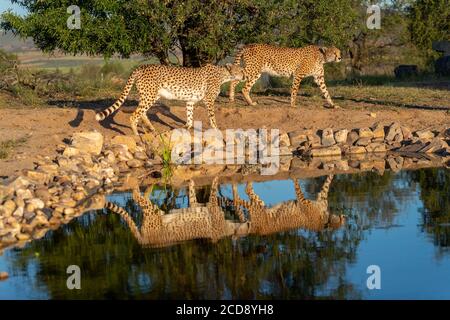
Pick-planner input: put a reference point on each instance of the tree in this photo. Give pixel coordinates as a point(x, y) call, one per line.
point(429, 21)
point(202, 30)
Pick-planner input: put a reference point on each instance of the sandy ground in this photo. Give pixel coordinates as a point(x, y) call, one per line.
point(47, 128)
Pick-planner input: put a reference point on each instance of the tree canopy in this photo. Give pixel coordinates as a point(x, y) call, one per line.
point(202, 30)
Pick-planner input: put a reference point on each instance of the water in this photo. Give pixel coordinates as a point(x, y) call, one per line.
point(398, 221)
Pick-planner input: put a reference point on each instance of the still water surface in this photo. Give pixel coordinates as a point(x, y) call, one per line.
point(398, 221)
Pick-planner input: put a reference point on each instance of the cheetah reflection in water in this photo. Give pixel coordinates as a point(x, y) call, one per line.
point(294, 214)
point(198, 221)
point(207, 221)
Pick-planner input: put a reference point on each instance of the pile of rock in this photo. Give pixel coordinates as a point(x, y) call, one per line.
point(375, 139)
point(54, 192)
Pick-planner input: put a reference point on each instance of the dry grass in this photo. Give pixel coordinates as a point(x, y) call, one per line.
point(7, 146)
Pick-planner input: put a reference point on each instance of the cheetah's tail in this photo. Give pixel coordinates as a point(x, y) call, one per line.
point(126, 91)
point(125, 216)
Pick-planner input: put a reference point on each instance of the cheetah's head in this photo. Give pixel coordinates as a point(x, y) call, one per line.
point(234, 72)
point(331, 54)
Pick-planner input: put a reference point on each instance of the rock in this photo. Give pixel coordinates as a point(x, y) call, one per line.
point(340, 136)
point(325, 152)
point(392, 131)
point(398, 137)
point(352, 137)
point(4, 275)
point(424, 134)
point(110, 157)
point(365, 133)
point(20, 183)
point(124, 156)
point(71, 152)
point(128, 141)
point(395, 164)
point(407, 133)
point(89, 142)
point(24, 194)
point(365, 165)
point(435, 146)
point(342, 165)
point(135, 163)
point(9, 239)
point(376, 147)
point(18, 212)
point(8, 208)
point(49, 168)
point(4, 192)
point(442, 66)
point(69, 211)
point(357, 150)
point(284, 140)
point(140, 155)
point(29, 215)
point(38, 177)
point(363, 142)
point(42, 194)
point(373, 114)
point(378, 131)
point(328, 137)
point(405, 71)
point(37, 203)
point(22, 236)
point(299, 136)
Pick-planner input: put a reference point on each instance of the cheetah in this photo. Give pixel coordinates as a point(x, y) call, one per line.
point(301, 213)
point(171, 82)
point(286, 62)
point(198, 221)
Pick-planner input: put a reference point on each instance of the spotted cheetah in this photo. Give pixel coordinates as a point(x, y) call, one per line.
point(301, 213)
point(198, 221)
point(286, 62)
point(171, 82)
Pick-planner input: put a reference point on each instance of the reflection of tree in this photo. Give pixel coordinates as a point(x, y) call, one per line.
point(292, 264)
point(373, 198)
point(435, 195)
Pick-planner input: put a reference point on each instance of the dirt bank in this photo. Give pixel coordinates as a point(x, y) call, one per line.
point(46, 128)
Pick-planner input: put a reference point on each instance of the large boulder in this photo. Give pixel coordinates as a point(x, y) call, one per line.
point(442, 66)
point(405, 71)
point(328, 137)
point(341, 136)
point(89, 142)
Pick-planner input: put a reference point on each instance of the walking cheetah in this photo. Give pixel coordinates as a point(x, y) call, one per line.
point(171, 82)
point(280, 61)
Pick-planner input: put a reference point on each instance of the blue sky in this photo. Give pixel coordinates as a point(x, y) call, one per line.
point(6, 4)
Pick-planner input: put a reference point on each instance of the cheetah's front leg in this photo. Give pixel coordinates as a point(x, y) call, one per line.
point(320, 81)
point(189, 115)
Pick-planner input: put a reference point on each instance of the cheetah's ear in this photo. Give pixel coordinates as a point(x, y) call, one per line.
point(323, 50)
